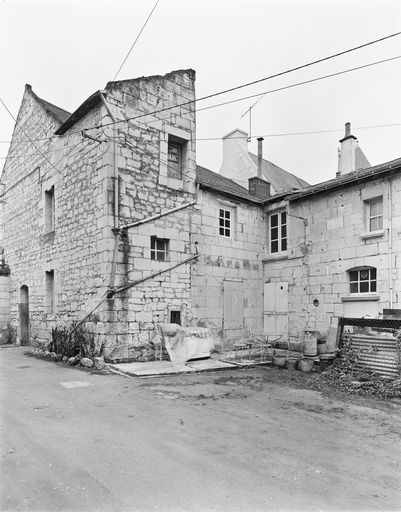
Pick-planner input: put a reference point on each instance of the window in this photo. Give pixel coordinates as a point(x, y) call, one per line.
point(374, 209)
point(175, 316)
point(363, 280)
point(278, 232)
point(225, 222)
point(49, 210)
point(158, 249)
point(49, 290)
point(174, 160)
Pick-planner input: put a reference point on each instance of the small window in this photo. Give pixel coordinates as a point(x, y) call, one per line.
point(49, 290)
point(363, 280)
point(49, 210)
point(174, 159)
point(225, 222)
point(278, 232)
point(175, 316)
point(374, 211)
point(158, 249)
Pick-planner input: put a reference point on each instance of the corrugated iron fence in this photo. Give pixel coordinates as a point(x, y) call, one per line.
point(376, 343)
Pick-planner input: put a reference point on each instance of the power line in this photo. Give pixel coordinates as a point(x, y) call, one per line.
point(201, 139)
point(27, 136)
point(189, 102)
point(137, 37)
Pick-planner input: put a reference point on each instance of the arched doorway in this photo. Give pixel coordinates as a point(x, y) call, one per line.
point(23, 307)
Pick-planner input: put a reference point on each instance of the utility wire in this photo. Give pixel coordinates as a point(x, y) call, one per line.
point(137, 37)
point(235, 88)
point(189, 102)
point(30, 140)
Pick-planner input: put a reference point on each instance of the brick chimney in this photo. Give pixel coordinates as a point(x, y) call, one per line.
point(346, 154)
point(259, 188)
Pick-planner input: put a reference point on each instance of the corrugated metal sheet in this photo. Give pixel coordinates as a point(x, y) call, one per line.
point(379, 355)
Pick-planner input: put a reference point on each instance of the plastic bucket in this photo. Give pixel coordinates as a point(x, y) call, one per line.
point(310, 343)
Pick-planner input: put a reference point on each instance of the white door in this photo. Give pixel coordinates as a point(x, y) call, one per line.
point(233, 314)
point(276, 309)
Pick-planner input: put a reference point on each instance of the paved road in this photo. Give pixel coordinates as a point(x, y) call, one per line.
point(228, 441)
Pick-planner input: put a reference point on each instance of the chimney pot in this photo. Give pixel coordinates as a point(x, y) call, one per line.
point(347, 129)
point(260, 156)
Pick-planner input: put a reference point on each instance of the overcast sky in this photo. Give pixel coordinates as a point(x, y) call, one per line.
point(68, 49)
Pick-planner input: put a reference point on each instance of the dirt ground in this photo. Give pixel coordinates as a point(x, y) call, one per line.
point(239, 440)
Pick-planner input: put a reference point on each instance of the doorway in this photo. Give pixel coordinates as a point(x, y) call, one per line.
point(233, 304)
point(23, 309)
point(276, 309)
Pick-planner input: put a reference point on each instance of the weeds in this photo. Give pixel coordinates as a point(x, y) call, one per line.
point(72, 341)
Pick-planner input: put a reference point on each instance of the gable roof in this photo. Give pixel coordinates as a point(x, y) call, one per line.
point(279, 179)
point(213, 181)
point(59, 114)
point(348, 179)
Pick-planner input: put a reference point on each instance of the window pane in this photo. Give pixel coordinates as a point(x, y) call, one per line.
point(375, 223)
point(221, 231)
point(274, 220)
point(274, 246)
point(221, 213)
point(227, 233)
point(160, 256)
point(353, 288)
point(353, 275)
point(283, 218)
point(152, 242)
point(373, 273)
point(284, 231)
point(373, 286)
point(274, 233)
point(227, 223)
point(284, 244)
point(364, 287)
point(227, 214)
point(364, 275)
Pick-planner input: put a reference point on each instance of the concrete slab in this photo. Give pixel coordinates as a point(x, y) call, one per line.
point(156, 368)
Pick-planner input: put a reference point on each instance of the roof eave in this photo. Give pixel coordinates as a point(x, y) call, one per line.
point(80, 112)
point(255, 201)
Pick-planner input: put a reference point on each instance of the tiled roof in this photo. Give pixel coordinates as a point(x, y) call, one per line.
point(361, 162)
point(58, 113)
point(214, 181)
point(279, 179)
point(348, 179)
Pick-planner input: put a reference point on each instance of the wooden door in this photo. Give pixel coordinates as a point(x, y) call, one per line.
point(276, 309)
point(233, 305)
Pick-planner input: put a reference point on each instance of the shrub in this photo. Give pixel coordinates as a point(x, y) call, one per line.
point(72, 341)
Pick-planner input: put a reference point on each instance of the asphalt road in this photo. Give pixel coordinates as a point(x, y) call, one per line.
point(226, 441)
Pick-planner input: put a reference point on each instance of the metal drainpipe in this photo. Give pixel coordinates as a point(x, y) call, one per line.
point(116, 204)
point(390, 241)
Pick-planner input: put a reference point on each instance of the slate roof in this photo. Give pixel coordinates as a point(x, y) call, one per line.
point(279, 179)
point(59, 114)
point(218, 183)
point(348, 179)
point(361, 162)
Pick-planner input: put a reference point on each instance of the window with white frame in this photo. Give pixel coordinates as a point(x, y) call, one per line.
point(159, 248)
point(225, 222)
point(363, 280)
point(374, 214)
point(278, 232)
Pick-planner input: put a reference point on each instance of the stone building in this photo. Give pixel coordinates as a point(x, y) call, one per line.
point(108, 220)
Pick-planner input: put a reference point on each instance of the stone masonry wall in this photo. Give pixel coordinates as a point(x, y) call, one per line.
point(334, 241)
point(236, 258)
point(146, 190)
point(74, 250)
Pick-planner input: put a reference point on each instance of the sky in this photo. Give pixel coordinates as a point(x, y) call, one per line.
point(68, 49)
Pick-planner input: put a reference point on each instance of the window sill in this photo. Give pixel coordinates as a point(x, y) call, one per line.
point(271, 257)
point(372, 234)
point(360, 297)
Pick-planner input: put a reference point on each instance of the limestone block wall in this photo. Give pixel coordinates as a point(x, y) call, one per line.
point(74, 249)
point(238, 257)
point(334, 241)
point(146, 189)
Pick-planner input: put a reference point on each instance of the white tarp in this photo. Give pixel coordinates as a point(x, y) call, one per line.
point(185, 343)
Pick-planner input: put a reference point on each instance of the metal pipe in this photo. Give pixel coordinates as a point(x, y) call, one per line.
point(260, 156)
point(390, 241)
point(150, 276)
point(162, 214)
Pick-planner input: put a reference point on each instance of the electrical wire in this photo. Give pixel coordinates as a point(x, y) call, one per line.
point(27, 136)
point(137, 37)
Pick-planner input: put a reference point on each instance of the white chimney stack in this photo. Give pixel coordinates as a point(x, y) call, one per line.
point(346, 155)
